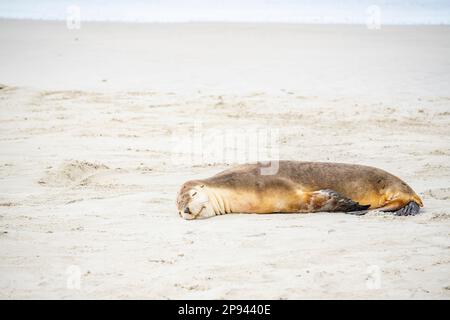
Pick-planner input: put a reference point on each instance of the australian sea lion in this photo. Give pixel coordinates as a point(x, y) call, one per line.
point(297, 187)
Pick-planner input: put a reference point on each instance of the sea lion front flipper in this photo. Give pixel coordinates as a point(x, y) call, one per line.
point(331, 201)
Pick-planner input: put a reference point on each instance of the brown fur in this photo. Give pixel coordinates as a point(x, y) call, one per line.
point(295, 188)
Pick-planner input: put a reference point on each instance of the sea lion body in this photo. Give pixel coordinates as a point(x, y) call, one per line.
point(297, 187)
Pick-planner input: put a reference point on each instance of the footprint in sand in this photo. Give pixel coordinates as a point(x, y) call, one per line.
point(438, 193)
point(72, 173)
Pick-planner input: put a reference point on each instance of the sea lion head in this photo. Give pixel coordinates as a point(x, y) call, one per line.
point(193, 201)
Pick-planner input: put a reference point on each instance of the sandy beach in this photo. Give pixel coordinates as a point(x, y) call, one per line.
point(92, 126)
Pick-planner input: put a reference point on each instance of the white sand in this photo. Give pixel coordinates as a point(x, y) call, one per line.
point(89, 171)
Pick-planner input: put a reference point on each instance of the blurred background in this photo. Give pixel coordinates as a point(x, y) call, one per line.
point(289, 11)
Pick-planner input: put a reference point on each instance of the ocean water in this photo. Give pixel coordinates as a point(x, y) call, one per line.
point(289, 11)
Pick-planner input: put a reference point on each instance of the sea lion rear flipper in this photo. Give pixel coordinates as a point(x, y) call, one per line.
point(402, 208)
point(330, 200)
point(411, 209)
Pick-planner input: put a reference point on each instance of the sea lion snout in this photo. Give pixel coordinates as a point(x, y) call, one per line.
point(186, 213)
